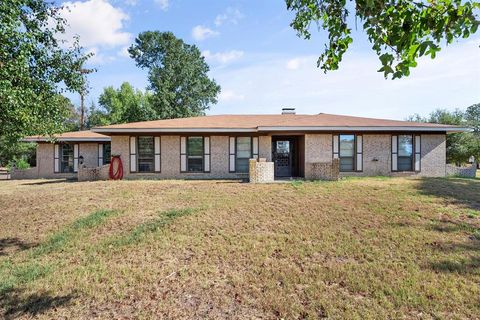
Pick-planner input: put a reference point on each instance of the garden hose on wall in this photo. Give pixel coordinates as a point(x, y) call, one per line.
point(116, 163)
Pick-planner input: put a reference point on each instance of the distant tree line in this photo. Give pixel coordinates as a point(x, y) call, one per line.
point(460, 146)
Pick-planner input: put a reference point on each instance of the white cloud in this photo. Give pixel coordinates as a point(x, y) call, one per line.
point(124, 52)
point(230, 95)
point(98, 58)
point(231, 15)
point(97, 22)
point(163, 4)
point(451, 80)
point(293, 64)
point(200, 33)
point(222, 57)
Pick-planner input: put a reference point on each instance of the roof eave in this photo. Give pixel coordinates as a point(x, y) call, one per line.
point(170, 130)
point(106, 139)
point(284, 128)
point(365, 128)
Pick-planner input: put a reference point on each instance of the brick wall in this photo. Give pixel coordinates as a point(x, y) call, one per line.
point(261, 171)
point(434, 155)
point(265, 147)
point(89, 151)
point(93, 173)
point(465, 172)
point(170, 158)
point(45, 163)
point(377, 155)
point(318, 149)
point(329, 170)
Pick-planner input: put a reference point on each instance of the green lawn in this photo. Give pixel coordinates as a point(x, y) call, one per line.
point(359, 248)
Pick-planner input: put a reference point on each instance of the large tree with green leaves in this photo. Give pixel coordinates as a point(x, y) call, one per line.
point(460, 146)
point(35, 69)
point(400, 31)
point(121, 105)
point(177, 74)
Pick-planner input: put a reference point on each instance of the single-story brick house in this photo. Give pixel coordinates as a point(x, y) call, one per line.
point(62, 158)
point(220, 146)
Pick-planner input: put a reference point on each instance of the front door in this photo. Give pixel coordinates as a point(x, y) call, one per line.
point(282, 157)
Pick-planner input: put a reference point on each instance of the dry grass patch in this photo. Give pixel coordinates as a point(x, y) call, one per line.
point(358, 248)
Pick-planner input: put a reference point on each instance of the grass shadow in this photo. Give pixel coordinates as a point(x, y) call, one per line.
point(15, 304)
point(53, 181)
point(459, 191)
point(452, 226)
point(13, 245)
point(455, 247)
point(469, 265)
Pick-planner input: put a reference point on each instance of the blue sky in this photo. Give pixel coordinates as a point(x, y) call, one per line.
point(263, 66)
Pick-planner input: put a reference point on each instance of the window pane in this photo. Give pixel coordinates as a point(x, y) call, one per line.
point(195, 164)
point(347, 145)
point(195, 154)
point(405, 164)
point(244, 147)
point(145, 154)
point(405, 146)
point(145, 165)
point(195, 146)
point(107, 153)
point(145, 147)
point(346, 164)
point(283, 147)
point(67, 158)
point(242, 165)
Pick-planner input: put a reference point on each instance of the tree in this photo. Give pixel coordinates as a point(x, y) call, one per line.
point(12, 151)
point(400, 31)
point(120, 106)
point(472, 116)
point(34, 69)
point(177, 74)
point(16, 151)
point(460, 146)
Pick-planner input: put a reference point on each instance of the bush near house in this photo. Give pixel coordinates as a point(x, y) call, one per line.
point(358, 248)
point(18, 164)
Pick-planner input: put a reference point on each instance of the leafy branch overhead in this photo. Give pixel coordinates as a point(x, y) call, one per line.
point(35, 69)
point(400, 31)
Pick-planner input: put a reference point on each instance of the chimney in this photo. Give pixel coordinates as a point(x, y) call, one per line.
point(288, 110)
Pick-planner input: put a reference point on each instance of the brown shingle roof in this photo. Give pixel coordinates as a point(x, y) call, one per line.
point(265, 122)
point(71, 136)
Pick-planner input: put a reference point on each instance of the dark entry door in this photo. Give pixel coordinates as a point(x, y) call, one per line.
point(283, 157)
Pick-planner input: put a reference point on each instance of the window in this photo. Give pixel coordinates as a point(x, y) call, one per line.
point(67, 158)
point(405, 153)
point(195, 154)
point(347, 152)
point(145, 154)
point(107, 153)
point(243, 154)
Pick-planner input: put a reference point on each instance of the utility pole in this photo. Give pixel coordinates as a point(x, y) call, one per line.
point(83, 92)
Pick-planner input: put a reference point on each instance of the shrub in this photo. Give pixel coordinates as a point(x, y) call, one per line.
point(19, 164)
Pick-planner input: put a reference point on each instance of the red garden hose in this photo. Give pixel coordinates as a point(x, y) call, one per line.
point(118, 174)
